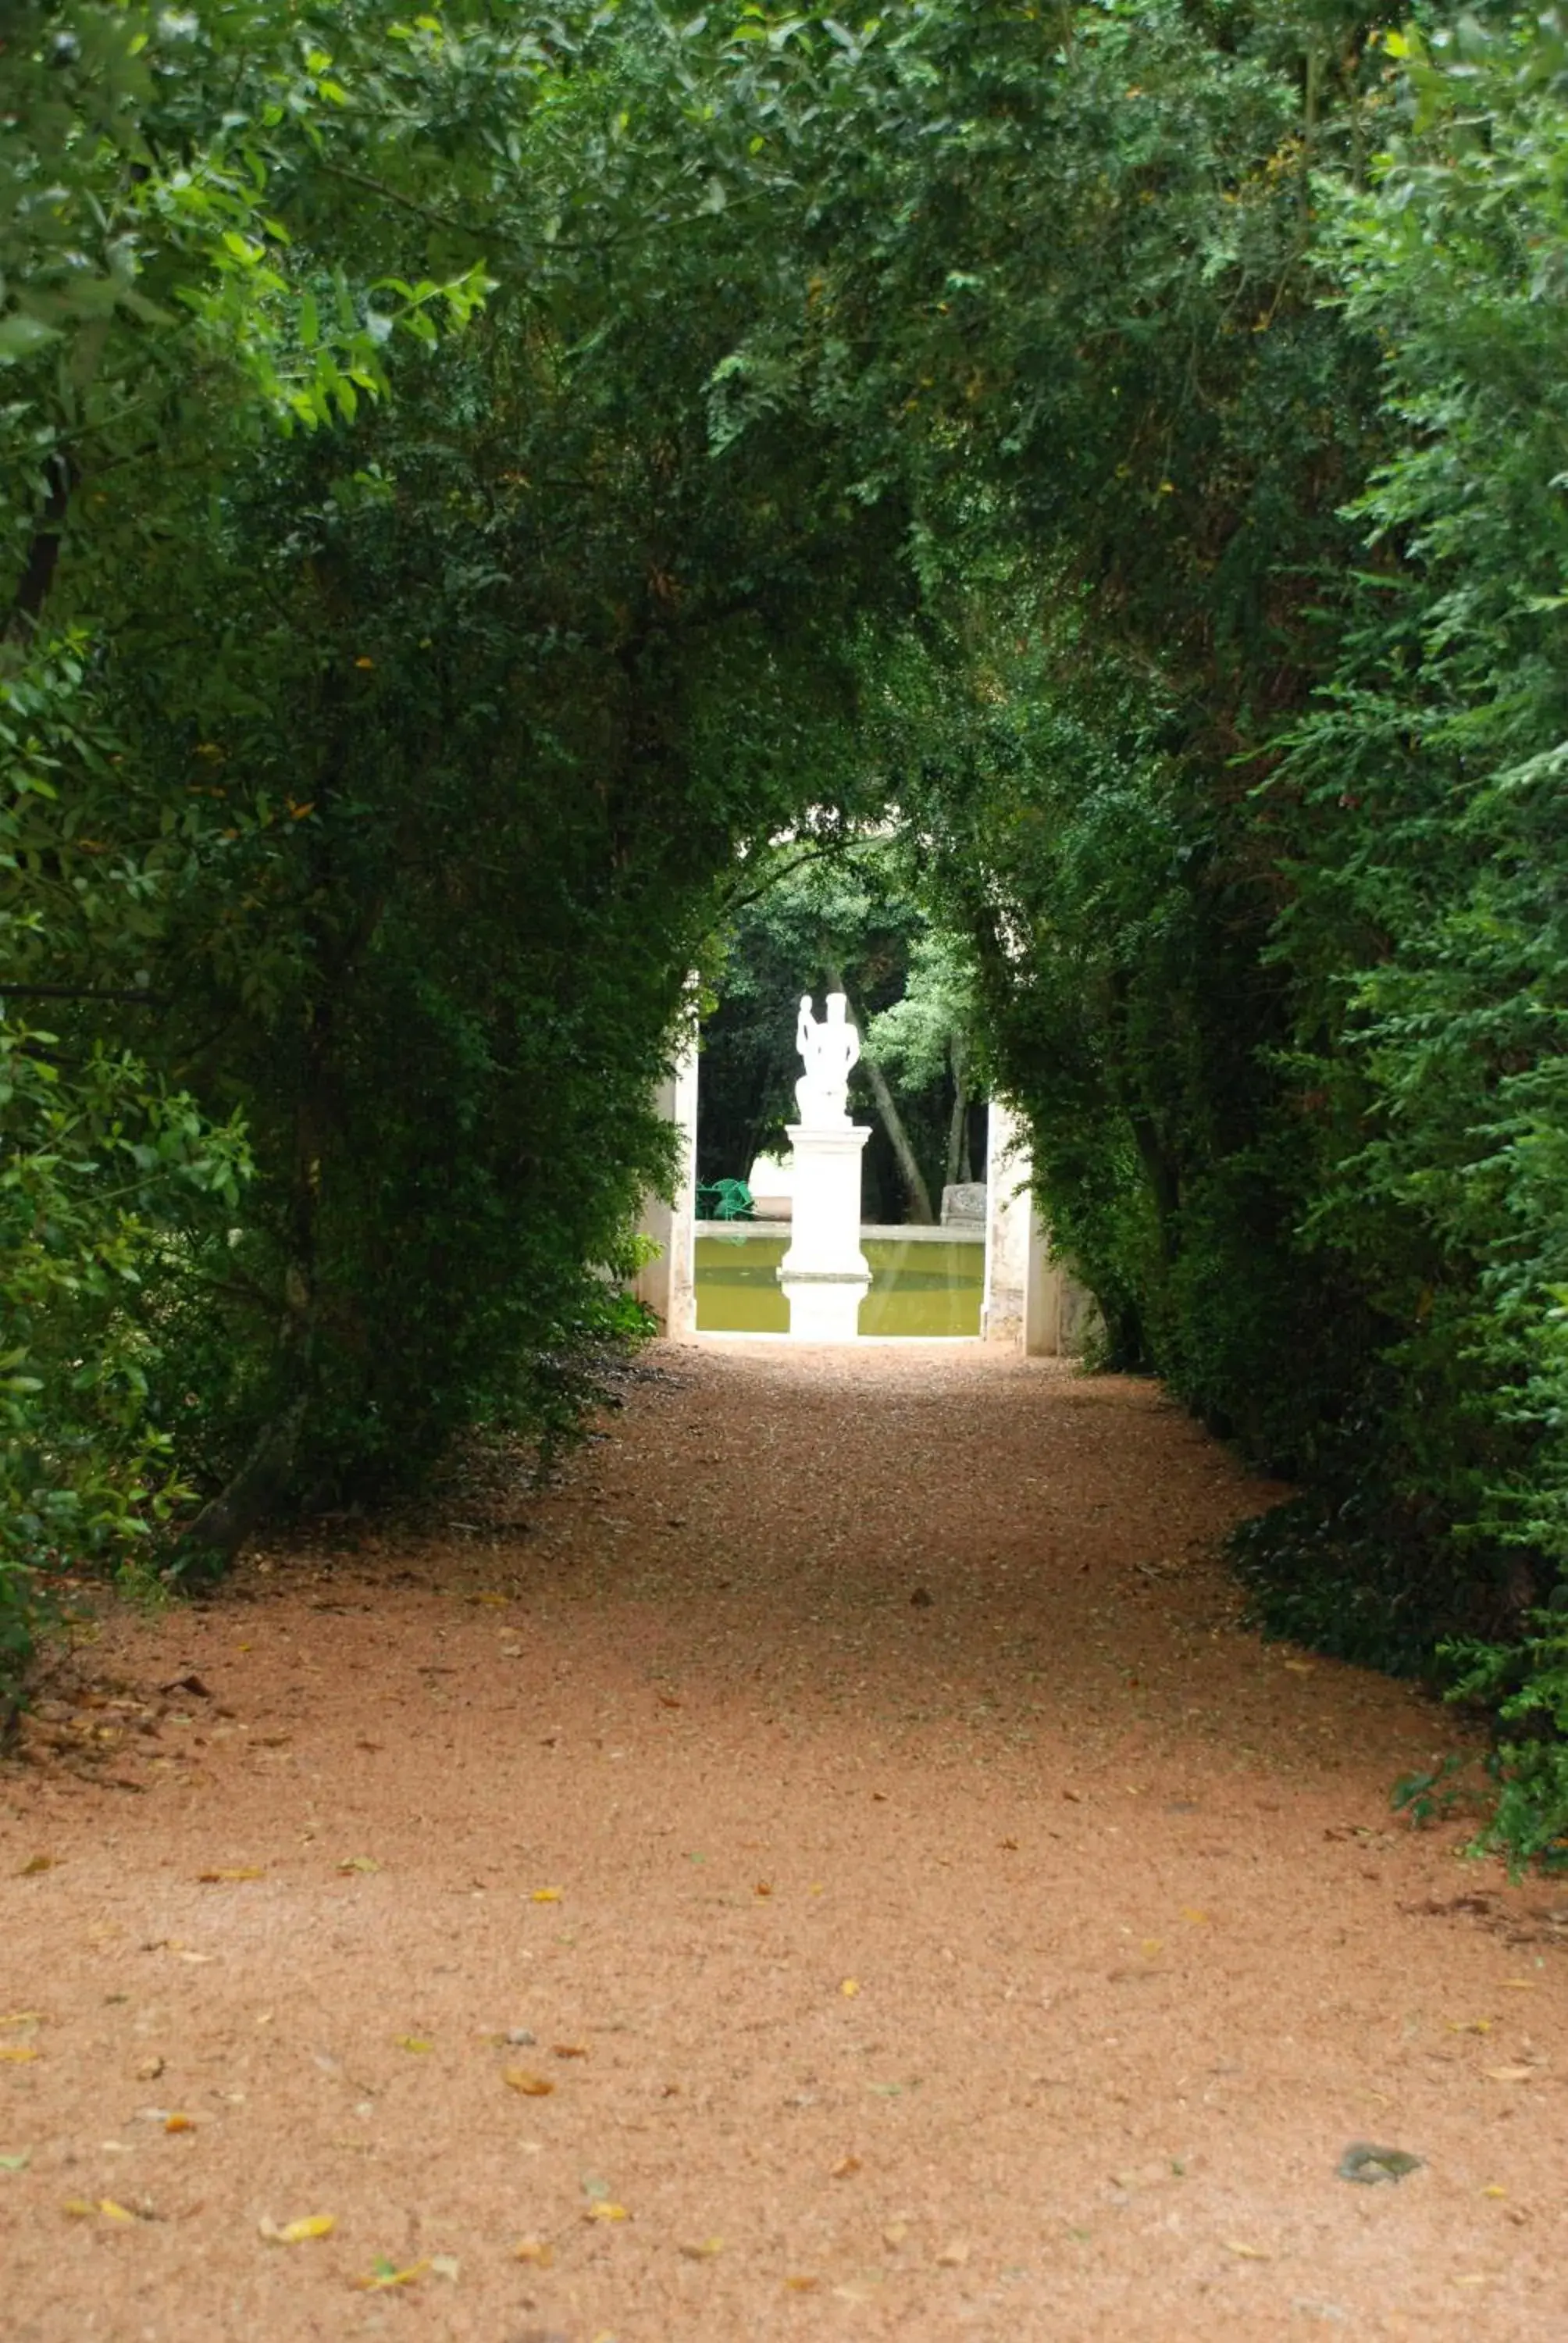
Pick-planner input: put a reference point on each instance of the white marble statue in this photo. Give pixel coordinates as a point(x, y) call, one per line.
point(830, 1050)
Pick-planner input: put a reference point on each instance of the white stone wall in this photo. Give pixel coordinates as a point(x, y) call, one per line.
point(1029, 1300)
point(667, 1284)
point(1010, 1227)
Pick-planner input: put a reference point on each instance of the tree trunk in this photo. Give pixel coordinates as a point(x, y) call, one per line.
point(959, 1124)
point(225, 1522)
point(42, 554)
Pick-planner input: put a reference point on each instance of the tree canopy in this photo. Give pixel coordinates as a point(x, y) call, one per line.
point(469, 481)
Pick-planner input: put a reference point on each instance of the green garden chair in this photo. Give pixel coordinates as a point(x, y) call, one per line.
point(724, 1199)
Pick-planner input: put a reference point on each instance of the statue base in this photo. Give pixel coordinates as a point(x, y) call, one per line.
point(825, 1276)
point(825, 1309)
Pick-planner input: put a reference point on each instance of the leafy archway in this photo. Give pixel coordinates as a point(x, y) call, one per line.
point(469, 479)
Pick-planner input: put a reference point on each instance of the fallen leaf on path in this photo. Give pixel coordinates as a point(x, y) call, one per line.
point(17, 2163)
point(570, 2049)
point(802, 2284)
point(1511, 2073)
point(1194, 1917)
point(1494, 2191)
point(111, 2211)
point(850, 1988)
point(1247, 2253)
point(532, 2087)
point(1470, 2025)
point(298, 2233)
point(1145, 2176)
point(80, 2207)
point(243, 1871)
point(417, 2042)
point(179, 2122)
point(360, 1863)
point(954, 2255)
point(34, 1865)
point(704, 2250)
point(547, 1896)
point(537, 2250)
point(386, 2272)
point(846, 2167)
point(23, 2017)
point(606, 2211)
point(1520, 1985)
point(17, 2054)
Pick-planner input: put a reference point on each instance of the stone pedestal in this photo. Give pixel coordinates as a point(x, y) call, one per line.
point(824, 1274)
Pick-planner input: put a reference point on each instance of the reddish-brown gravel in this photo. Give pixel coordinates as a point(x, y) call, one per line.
point(931, 1915)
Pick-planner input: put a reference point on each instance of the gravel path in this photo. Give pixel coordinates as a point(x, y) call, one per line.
point(833, 1867)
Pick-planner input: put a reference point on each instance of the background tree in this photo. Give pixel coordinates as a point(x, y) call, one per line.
point(841, 917)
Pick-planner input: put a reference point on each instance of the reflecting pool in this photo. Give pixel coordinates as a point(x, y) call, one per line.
point(919, 1285)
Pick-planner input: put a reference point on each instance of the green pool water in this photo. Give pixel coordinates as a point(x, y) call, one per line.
point(919, 1286)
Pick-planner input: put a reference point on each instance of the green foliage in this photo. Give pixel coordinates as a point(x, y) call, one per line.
point(375, 780)
point(1336, 1570)
point(95, 1155)
point(1430, 1795)
point(1427, 929)
point(920, 1037)
point(1525, 1683)
point(1246, 791)
point(470, 484)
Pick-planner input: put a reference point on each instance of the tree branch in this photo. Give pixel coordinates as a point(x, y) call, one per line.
point(44, 552)
point(136, 998)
